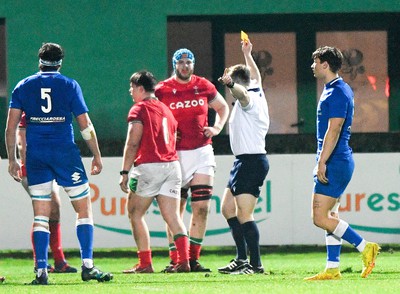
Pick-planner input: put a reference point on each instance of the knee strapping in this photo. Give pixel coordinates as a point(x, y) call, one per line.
point(341, 228)
point(41, 223)
point(78, 192)
point(201, 192)
point(335, 208)
point(84, 221)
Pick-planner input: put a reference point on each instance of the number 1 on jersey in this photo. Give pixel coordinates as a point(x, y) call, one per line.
point(165, 128)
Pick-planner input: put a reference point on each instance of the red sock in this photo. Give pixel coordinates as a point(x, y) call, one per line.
point(182, 248)
point(144, 258)
point(55, 242)
point(173, 255)
point(194, 251)
point(33, 248)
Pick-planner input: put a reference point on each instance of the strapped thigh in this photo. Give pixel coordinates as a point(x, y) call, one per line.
point(78, 192)
point(201, 192)
point(41, 192)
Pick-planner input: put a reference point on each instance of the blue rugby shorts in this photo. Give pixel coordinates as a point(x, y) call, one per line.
point(63, 163)
point(339, 173)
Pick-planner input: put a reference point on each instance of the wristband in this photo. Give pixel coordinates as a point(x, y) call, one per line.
point(230, 85)
point(124, 172)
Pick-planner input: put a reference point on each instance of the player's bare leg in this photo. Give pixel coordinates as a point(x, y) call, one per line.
point(137, 208)
point(41, 235)
point(201, 192)
point(169, 208)
point(173, 254)
point(84, 232)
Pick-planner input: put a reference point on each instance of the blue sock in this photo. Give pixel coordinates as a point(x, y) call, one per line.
point(41, 240)
point(333, 248)
point(352, 237)
point(252, 237)
point(237, 234)
point(333, 252)
point(344, 231)
point(85, 237)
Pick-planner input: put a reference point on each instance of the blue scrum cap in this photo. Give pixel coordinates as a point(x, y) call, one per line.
point(182, 53)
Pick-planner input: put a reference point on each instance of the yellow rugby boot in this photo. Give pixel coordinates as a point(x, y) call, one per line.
point(327, 274)
point(369, 255)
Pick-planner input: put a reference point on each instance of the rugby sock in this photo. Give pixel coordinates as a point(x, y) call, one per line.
point(360, 247)
point(55, 242)
point(84, 231)
point(344, 231)
point(237, 234)
point(333, 247)
point(252, 237)
point(195, 248)
point(182, 247)
point(144, 258)
point(41, 238)
point(33, 248)
point(173, 253)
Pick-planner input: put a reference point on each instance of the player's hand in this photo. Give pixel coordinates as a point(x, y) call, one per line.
point(247, 47)
point(14, 170)
point(210, 132)
point(97, 165)
point(226, 78)
point(321, 173)
point(123, 183)
point(178, 136)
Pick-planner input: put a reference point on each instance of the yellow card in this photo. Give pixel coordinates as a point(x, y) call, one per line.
point(244, 36)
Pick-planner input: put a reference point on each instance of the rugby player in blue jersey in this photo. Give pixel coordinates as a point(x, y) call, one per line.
point(335, 164)
point(50, 100)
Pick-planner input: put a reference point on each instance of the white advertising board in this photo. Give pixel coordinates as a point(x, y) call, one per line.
point(371, 204)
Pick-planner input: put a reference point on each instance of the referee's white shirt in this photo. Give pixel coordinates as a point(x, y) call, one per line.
point(249, 125)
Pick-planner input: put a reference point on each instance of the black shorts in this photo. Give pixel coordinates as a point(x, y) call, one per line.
point(248, 174)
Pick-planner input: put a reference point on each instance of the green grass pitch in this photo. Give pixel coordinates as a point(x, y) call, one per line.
point(285, 269)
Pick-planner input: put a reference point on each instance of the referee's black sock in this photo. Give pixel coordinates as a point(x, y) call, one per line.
point(252, 237)
point(237, 234)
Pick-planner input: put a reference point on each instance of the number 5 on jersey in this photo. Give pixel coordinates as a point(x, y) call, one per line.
point(45, 95)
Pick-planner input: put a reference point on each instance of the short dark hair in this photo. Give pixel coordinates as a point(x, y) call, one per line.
point(51, 53)
point(332, 55)
point(145, 79)
point(240, 74)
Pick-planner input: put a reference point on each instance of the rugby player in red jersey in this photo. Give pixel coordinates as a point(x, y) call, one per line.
point(156, 174)
point(189, 97)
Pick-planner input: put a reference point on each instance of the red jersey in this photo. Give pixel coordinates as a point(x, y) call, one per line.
point(189, 104)
point(158, 142)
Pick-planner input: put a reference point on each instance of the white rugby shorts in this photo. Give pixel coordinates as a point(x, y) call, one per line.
point(197, 161)
point(158, 178)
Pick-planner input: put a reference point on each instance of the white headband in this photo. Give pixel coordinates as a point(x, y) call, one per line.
point(50, 63)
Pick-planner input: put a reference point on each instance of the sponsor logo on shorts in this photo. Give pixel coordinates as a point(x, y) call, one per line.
point(174, 191)
point(76, 177)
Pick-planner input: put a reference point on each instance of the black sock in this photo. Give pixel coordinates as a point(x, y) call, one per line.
point(252, 237)
point(237, 234)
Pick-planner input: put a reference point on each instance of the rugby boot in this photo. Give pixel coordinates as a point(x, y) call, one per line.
point(369, 255)
point(327, 274)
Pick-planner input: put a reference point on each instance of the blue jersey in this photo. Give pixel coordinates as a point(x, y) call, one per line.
point(48, 99)
point(336, 101)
